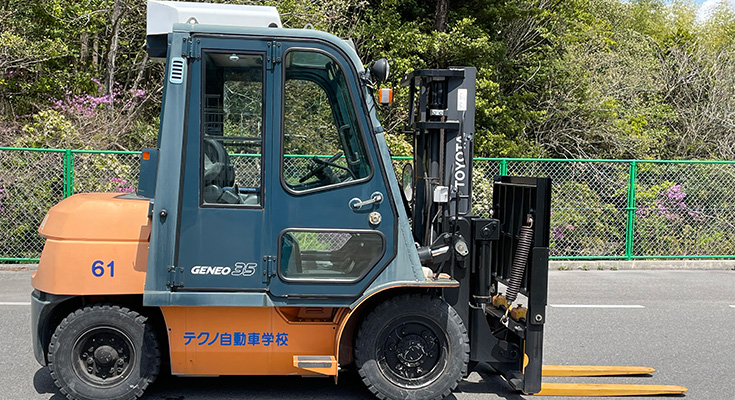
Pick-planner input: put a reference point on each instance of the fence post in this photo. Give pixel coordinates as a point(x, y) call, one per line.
point(630, 210)
point(68, 173)
point(503, 168)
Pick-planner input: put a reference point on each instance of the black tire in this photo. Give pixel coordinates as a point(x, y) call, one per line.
point(412, 347)
point(91, 340)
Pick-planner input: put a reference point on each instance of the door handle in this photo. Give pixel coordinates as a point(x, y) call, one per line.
point(375, 198)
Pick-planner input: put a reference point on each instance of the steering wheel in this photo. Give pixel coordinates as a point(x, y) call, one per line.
point(321, 165)
point(215, 157)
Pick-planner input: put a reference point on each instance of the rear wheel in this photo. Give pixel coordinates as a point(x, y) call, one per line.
point(103, 352)
point(412, 347)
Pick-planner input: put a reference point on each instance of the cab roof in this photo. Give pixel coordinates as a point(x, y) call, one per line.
point(167, 17)
point(162, 15)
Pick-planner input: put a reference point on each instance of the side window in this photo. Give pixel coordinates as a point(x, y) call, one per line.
point(322, 142)
point(232, 137)
point(329, 255)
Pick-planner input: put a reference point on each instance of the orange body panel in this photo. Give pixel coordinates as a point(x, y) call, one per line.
point(245, 340)
point(96, 244)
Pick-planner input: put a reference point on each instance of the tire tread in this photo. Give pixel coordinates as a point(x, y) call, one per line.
point(396, 302)
point(139, 319)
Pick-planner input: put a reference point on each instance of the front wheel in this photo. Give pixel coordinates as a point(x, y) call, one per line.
point(103, 352)
point(412, 347)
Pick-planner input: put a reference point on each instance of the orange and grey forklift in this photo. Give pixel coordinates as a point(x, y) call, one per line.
point(270, 236)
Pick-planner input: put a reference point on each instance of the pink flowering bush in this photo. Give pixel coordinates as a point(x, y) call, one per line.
point(688, 218)
point(92, 120)
point(88, 105)
point(668, 202)
point(121, 185)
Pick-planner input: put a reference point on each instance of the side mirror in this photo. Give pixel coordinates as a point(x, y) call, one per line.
point(407, 181)
point(380, 70)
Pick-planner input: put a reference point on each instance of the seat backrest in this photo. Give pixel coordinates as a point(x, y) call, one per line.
point(290, 255)
point(217, 159)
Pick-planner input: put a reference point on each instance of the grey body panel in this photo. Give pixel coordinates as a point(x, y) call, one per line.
point(401, 266)
point(162, 252)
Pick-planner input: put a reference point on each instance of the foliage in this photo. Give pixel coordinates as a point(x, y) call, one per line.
point(573, 78)
point(398, 146)
point(61, 54)
point(641, 79)
point(586, 224)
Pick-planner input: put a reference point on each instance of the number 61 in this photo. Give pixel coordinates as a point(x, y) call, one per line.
point(98, 269)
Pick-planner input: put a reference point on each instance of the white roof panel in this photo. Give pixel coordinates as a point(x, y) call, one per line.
point(162, 15)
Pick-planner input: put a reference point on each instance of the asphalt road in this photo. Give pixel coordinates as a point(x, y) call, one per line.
point(682, 323)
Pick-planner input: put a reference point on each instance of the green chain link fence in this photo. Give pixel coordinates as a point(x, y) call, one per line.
point(601, 209)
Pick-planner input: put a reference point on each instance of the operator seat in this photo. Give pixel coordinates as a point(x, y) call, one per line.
point(357, 254)
point(290, 256)
point(218, 173)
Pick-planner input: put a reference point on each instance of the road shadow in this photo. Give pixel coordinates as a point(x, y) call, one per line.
point(258, 387)
point(484, 380)
point(167, 387)
point(44, 384)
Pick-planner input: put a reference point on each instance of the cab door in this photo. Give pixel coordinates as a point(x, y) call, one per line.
point(332, 224)
point(222, 217)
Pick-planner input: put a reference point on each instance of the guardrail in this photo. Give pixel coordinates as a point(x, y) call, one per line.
point(601, 209)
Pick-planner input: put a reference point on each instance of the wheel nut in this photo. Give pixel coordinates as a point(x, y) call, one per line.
point(120, 361)
point(89, 369)
point(119, 370)
point(90, 361)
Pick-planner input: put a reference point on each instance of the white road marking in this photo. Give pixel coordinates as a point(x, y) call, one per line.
point(14, 303)
point(597, 306)
point(732, 306)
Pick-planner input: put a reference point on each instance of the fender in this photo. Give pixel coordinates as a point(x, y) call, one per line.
point(349, 323)
point(96, 244)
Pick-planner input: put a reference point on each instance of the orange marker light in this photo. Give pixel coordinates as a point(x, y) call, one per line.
point(146, 155)
point(385, 96)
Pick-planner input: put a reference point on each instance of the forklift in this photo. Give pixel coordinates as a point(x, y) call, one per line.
point(270, 235)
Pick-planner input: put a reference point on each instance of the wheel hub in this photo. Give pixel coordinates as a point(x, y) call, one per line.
point(105, 355)
point(411, 351)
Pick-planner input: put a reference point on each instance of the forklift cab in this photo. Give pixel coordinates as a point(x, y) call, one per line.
point(278, 138)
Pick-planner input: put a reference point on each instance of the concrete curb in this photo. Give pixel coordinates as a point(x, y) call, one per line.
point(18, 267)
point(646, 265)
point(561, 265)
